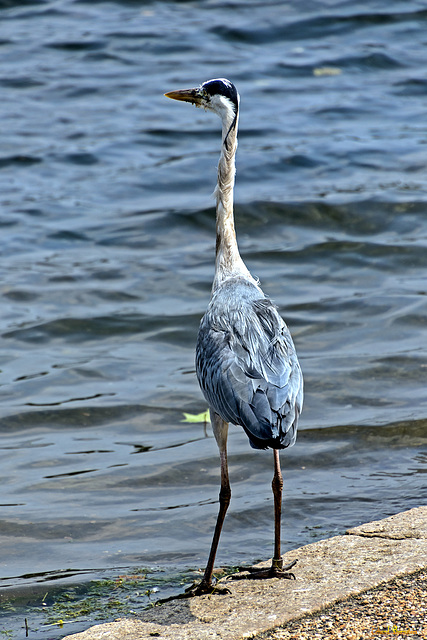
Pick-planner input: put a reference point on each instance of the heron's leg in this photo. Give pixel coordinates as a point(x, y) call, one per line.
point(277, 570)
point(277, 486)
point(220, 429)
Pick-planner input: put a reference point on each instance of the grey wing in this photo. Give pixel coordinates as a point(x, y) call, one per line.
point(249, 372)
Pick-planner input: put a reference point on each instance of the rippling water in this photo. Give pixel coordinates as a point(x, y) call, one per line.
point(107, 245)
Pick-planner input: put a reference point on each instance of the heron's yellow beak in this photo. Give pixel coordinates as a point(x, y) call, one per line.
point(186, 95)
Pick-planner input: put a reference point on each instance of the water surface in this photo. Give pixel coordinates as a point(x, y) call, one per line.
point(108, 231)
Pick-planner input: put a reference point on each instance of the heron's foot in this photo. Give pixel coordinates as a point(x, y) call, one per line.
point(277, 570)
point(201, 589)
point(204, 588)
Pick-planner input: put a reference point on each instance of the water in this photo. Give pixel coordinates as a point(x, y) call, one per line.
point(107, 243)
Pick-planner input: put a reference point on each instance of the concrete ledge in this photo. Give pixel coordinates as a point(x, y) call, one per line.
point(327, 572)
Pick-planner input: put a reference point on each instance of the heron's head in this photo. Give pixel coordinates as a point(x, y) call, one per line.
point(218, 95)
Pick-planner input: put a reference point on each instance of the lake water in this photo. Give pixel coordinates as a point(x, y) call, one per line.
point(107, 254)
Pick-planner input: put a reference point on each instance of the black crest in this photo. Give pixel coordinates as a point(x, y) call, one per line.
point(222, 87)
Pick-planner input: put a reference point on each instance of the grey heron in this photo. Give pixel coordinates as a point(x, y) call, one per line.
point(246, 362)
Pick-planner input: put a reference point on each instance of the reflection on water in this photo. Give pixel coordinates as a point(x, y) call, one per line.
point(107, 261)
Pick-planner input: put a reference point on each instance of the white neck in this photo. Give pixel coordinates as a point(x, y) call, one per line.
point(228, 263)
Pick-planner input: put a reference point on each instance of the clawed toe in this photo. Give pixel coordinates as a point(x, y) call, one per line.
point(203, 589)
point(277, 570)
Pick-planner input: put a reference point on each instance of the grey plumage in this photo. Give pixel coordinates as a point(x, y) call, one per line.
point(247, 366)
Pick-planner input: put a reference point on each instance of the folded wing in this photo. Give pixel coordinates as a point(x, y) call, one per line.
point(247, 366)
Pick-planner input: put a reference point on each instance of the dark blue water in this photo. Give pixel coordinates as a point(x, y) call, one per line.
point(107, 251)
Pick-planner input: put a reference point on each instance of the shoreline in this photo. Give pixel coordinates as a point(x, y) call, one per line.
point(329, 571)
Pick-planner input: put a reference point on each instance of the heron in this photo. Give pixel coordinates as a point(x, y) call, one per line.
point(246, 362)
